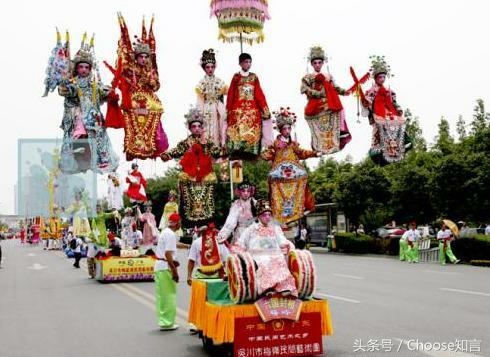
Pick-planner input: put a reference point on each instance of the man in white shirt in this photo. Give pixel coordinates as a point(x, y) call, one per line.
point(412, 237)
point(202, 271)
point(166, 275)
point(444, 238)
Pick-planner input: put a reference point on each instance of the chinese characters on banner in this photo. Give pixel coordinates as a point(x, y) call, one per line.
point(255, 338)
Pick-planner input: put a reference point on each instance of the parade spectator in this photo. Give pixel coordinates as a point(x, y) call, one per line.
point(166, 275)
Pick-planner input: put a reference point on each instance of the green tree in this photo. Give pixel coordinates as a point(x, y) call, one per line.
point(444, 141)
point(461, 128)
point(481, 119)
point(414, 131)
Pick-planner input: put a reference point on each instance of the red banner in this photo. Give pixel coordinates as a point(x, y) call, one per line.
point(255, 338)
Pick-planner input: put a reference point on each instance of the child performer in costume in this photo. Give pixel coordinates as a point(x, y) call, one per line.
point(266, 242)
point(98, 238)
point(82, 118)
point(247, 114)
point(126, 224)
point(288, 179)
point(150, 232)
point(114, 192)
point(241, 213)
point(170, 207)
point(136, 75)
point(137, 185)
point(210, 93)
point(324, 112)
point(197, 179)
point(389, 141)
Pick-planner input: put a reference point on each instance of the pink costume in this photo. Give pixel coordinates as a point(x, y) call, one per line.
point(264, 243)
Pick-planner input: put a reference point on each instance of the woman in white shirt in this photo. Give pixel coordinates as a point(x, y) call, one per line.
point(444, 238)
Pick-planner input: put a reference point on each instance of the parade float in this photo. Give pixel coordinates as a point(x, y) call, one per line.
point(265, 305)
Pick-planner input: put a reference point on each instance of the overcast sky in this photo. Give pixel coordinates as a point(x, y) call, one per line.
point(438, 51)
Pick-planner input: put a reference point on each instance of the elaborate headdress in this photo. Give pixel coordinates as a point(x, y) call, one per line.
point(208, 57)
point(263, 206)
point(284, 117)
point(194, 115)
point(379, 66)
point(86, 52)
point(317, 52)
point(128, 51)
point(172, 193)
point(245, 185)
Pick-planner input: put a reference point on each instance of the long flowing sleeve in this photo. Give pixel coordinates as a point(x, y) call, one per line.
point(230, 224)
point(303, 154)
point(281, 238)
point(231, 97)
point(243, 240)
point(261, 101)
point(268, 154)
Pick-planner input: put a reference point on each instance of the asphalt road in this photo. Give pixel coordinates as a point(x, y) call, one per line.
point(48, 308)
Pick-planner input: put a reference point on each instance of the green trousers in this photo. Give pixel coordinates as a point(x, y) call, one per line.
point(166, 298)
point(403, 249)
point(413, 253)
point(448, 253)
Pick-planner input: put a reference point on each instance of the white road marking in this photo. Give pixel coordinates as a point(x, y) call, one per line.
point(465, 291)
point(338, 298)
point(151, 297)
point(31, 255)
point(37, 266)
point(412, 347)
point(348, 276)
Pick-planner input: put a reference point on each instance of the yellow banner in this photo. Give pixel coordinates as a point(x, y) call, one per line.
point(121, 269)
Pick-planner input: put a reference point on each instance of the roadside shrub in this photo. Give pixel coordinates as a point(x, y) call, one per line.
point(472, 248)
point(357, 244)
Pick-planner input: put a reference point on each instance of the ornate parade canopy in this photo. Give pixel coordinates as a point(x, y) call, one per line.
point(240, 20)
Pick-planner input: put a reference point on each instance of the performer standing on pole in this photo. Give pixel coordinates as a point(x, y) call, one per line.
point(324, 112)
point(247, 112)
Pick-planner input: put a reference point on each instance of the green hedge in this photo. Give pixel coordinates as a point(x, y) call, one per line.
point(472, 248)
point(358, 244)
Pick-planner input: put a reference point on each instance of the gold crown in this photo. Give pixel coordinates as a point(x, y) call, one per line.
point(85, 53)
point(194, 115)
point(208, 56)
point(141, 47)
point(284, 117)
point(379, 66)
point(263, 206)
point(317, 52)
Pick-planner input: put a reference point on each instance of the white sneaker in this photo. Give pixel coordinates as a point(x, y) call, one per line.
point(456, 261)
point(169, 328)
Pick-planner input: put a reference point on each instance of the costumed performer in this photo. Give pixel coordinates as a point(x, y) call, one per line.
point(288, 179)
point(136, 75)
point(248, 115)
point(78, 80)
point(266, 242)
point(137, 185)
point(114, 192)
point(150, 231)
point(98, 237)
point(241, 215)
point(197, 179)
point(389, 140)
point(324, 112)
point(444, 236)
point(210, 100)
